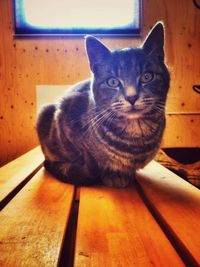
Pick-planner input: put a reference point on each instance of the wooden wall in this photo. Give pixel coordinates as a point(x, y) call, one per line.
point(25, 63)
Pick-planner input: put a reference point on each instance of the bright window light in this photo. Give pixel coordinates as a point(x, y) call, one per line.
point(77, 17)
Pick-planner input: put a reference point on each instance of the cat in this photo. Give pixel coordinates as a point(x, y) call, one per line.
point(105, 128)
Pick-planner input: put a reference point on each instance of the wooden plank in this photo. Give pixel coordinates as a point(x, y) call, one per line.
point(185, 131)
point(13, 174)
point(177, 204)
point(32, 225)
point(116, 229)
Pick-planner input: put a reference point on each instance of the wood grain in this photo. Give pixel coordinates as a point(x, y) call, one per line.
point(25, 63)
point(32, 226)
point(182, 131)
point(176, 202)
point(13, 174)
point(116, 229)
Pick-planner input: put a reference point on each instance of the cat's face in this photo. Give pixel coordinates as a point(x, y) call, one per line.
point(131, 82)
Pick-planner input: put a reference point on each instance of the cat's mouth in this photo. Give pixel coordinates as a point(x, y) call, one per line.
point(133, 109)
point(134, 112)
point(137, 111)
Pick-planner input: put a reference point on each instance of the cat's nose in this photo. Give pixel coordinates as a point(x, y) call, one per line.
point(131, 99)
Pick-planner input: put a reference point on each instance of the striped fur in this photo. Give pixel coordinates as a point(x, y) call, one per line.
point(106, 127)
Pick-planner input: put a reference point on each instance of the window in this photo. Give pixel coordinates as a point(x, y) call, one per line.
point(77, 17)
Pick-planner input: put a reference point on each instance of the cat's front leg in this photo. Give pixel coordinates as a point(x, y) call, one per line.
point(117, 180)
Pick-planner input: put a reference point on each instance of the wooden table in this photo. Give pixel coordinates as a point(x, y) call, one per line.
point(44, 222)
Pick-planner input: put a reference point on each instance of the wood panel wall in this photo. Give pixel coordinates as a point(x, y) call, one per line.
point(25, 63)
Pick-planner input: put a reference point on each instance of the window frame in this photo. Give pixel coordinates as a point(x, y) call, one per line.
point(28, 31)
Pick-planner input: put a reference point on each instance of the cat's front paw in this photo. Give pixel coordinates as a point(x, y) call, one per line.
point(119, 182)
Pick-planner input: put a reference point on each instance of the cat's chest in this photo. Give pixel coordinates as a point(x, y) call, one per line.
point(141, 130)
point(135, 142)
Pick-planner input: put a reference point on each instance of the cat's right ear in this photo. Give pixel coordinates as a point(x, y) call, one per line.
point(154, 42)
point(96, 51)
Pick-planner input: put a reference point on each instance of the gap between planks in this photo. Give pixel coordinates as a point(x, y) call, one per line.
point(32, 227)
point(18, 188)
point(182, 251)
point(109, 216)
point(176, 205)
point(67, 253)
point(17, 173)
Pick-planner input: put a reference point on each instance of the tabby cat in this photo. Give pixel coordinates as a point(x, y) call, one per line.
point(105, 128)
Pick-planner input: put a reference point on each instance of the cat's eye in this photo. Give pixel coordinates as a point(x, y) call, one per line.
point(113, 82)
point(146, 77)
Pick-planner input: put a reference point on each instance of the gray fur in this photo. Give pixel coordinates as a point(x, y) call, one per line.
point(104, 129)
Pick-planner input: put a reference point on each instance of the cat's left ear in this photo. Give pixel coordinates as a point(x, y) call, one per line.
point(96, 51)
point(154, 42)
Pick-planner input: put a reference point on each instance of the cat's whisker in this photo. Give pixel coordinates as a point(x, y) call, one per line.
point(96, 120)
point(160, 106)
point(113, 116)
point(89, 113)
point(148, 99)
point(103, 120)
point(104, 117)
point(160, 102)
point(96, 125)
point(158, 110)
point(95, 116)
point(116, 107)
